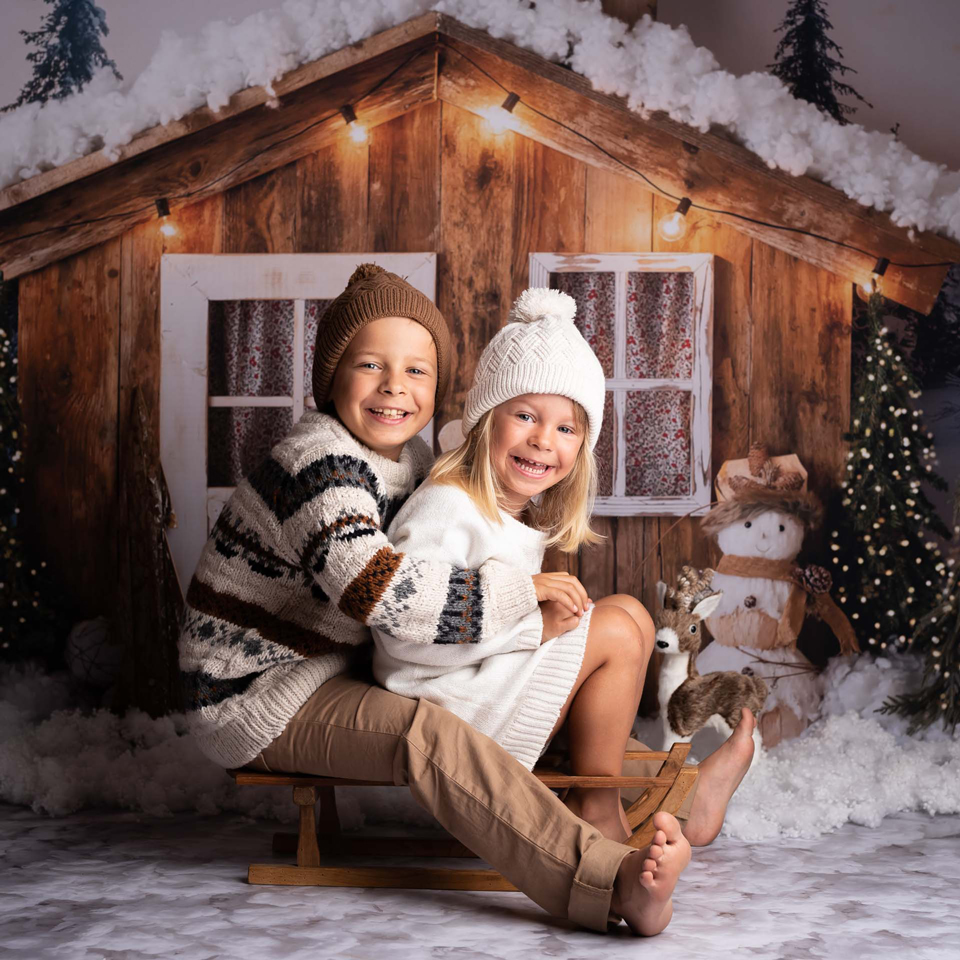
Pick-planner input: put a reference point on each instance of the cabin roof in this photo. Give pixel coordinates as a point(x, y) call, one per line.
point(434, 57)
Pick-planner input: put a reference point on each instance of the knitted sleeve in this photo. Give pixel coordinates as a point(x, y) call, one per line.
point(331, 515)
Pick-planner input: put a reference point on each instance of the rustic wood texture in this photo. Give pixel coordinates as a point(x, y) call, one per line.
point(404, 183)
point(709, 168)
point(81, 214)
point(403, 878)
point(68, 358)
point(150, 675)
point(475, 277)
point(781, 331)
point(244, 100)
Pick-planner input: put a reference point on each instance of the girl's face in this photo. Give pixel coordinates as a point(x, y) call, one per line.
point(534, 445)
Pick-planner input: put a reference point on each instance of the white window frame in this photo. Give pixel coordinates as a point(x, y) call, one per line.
point(700, 385)
point(188, 283)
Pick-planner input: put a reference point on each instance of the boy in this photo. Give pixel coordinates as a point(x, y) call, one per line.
point(297, 569)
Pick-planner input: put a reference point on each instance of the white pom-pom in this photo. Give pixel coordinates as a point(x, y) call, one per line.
point(539, 302)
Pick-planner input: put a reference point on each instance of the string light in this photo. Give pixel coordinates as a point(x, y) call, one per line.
point(358, 132)
point(674, 226)
point(163, 212)
point(869, 287)
point(501, 119)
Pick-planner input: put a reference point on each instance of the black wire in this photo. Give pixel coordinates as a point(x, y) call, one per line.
point(528, 106)
point(670, 196)
point(232, 170)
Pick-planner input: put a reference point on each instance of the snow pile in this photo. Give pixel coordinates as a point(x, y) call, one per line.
point(58, 759)
point(853, 764)
point(655, 66)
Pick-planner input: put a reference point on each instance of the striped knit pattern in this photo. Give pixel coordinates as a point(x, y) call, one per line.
point(297, 570)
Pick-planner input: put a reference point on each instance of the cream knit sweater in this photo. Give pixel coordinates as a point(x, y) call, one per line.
point(297, 569)
point(508, 686)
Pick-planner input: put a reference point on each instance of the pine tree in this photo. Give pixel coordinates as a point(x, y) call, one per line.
point(887, 565)
point(804, 60)
point(938, 633)
point(69, 51)
point(29, 624)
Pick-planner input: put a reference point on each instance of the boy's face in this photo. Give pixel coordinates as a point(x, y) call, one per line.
point(385, 386)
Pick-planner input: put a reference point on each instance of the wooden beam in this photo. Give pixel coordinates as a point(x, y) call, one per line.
point(710, 169)
point(88, 212)
point(360, 52)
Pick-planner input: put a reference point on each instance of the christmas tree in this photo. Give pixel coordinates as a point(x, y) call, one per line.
point(938, 634)
point(28, 624)
point(887, 564)
point(69, 51)
point(804, 60)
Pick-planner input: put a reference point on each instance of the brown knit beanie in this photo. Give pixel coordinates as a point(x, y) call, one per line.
point(371, 294)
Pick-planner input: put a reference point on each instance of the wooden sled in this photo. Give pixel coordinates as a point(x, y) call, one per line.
point(666, 791)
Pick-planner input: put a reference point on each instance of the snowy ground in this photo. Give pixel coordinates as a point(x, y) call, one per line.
point(122, 886)
point(842, 843)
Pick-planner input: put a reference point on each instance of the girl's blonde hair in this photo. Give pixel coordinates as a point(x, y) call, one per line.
point(564, 509)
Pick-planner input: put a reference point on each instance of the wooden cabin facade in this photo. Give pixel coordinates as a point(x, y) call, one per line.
point(431, 177)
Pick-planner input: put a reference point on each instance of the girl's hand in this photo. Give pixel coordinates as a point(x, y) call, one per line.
point(562, 588)
point(557, 619)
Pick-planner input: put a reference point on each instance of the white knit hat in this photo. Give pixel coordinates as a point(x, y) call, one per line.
point(539, 351)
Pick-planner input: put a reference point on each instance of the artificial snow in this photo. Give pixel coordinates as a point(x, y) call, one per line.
point(852, 765)
point(654, 66)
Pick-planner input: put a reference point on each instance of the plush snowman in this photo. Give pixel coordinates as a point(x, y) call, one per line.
point(759, 525)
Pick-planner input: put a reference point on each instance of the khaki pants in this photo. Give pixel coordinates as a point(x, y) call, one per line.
point(474, 788)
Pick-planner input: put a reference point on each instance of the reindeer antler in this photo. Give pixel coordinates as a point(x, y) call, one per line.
point(692, 586)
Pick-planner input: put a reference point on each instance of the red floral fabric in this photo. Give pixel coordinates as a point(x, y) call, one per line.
point(657, 437)
point(239, 439)
point(606, 449)
point(659, 328)
point(251, 348)
point(595, 294)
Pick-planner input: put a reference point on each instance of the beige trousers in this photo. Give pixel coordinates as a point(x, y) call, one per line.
point(475, 789)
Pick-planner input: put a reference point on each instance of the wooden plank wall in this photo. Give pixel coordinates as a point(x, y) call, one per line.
point(433, 179)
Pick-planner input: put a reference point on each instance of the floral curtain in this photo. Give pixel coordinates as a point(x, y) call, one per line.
point(250, 351)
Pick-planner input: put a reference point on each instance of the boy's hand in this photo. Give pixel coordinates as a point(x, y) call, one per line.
point(562, 588)
point(557, 619)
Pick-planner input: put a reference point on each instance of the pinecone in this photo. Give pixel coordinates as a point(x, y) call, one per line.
point(756, 458)
point(815, 580)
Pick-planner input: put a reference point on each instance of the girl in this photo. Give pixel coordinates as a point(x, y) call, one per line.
point(523, 480)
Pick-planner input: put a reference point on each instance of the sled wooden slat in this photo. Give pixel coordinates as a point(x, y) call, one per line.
point(404, 878)
point(666, 791)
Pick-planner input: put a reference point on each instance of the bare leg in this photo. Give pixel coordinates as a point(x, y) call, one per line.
point(600, 711)
point(643, 889)
point(720, 775)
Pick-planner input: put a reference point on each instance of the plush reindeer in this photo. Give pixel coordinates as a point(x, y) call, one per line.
point(688, 701)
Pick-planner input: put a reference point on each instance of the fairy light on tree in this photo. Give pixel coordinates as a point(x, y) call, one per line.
point(29, 627)
point(887, 563)
point(938, 634)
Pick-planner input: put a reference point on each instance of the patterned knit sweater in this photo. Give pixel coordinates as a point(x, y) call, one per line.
point(297, 570)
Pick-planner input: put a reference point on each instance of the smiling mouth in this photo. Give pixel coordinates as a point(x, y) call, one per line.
point(389, 414)
point(530, 468)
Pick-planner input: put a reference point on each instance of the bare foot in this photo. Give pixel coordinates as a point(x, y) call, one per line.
point(720, 775)
point(643, 890)
point(600, 812)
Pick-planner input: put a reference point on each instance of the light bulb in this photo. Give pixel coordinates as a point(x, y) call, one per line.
point(869, 287)
point(358, 132)
point(500, 119)
point(673, 226)
point(163, 212)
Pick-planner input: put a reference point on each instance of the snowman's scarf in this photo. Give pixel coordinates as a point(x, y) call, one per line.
point(788, 628)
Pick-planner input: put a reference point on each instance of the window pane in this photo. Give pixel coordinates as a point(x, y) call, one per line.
point(595, 294)
point(657, 436)
point(312, 314)
point(606, 452)
point(660, 325)
point(251, 348)
point(239, 439)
